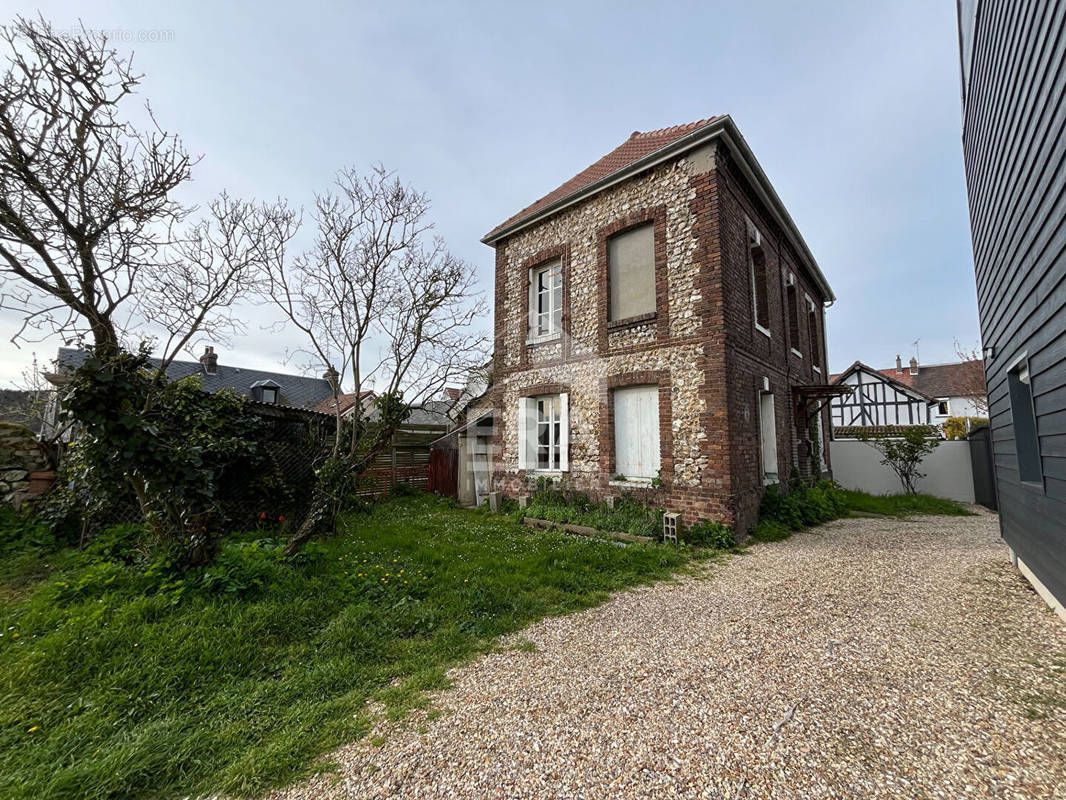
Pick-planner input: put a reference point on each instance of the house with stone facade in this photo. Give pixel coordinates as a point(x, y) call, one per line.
point(659, 329)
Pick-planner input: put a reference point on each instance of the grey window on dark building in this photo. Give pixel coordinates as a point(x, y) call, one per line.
point(1026, 440)
point(270, 395)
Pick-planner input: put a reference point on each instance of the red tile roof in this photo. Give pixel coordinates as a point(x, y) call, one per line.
point(941, 380)
point(345, 401)
point(636, 147)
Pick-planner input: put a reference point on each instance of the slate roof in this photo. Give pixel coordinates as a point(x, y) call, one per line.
point(298, 391)
point(637, 146)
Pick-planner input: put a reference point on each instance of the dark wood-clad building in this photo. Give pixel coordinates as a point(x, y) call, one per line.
point(1013, 62)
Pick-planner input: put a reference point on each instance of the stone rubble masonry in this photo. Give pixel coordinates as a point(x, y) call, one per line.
point(700, 347)
point(20, 454)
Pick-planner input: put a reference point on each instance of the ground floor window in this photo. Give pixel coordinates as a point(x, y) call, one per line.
point(543, 432)
point(768, 437)
point(636, 432)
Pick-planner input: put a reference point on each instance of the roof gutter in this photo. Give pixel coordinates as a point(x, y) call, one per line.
point(723, 128)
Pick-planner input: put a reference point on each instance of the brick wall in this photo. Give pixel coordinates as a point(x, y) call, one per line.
point(700, 347)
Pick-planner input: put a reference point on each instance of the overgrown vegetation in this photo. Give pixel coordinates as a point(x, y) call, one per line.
point(783, 511)
point(122, 677)
point(178, 450)
point(629, 515)
point(903, 505)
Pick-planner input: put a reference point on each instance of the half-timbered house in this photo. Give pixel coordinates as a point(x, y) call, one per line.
point(877, 399)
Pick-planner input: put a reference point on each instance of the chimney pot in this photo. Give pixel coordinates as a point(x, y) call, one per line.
point(333, 377)
point(209, 361)
point(914, 365)
point(899, 365)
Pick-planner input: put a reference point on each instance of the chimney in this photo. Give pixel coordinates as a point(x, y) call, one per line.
point(334, 379)
point(209, 361)
point(899, 365)
point(914, 365)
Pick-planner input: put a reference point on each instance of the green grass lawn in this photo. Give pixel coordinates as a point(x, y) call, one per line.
point(118, 681)
point(903, 505)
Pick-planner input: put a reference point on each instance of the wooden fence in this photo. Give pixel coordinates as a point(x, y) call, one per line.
point(406, 462)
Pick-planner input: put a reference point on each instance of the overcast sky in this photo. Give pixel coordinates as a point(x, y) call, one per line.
point(852, 108)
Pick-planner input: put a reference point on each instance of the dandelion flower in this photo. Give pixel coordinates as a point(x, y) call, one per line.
point(34, 728)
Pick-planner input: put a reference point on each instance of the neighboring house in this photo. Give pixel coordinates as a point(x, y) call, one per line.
point(912, 395)
point(877, 399)
point(1015, 157)
point(267, 388)
point(659, 319)
point(347, 403)
point(956, 389)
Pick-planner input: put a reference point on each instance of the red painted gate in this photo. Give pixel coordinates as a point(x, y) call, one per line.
point(444, 472)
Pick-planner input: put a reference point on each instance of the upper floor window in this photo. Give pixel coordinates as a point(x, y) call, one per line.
point(631, 272)
point(270, 394)
point(793, 313)
point(812, 334)
point(943, 408)
point(760, 290)
point(546, 300)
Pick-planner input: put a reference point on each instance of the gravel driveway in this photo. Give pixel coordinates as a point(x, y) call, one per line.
point(868, 658)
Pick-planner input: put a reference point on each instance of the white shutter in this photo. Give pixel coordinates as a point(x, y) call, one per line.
point(636, 431)
point(564, 432)
point(527, 420)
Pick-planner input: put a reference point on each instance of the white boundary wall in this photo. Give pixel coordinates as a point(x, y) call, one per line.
point(948, 470)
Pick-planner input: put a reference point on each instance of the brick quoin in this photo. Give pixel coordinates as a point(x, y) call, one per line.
point(700, 347)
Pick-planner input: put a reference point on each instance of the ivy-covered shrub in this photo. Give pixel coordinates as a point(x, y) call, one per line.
point(177, 450)
point(711, 534)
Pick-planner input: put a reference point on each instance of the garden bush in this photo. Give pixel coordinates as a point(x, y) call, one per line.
point(803, 506)
point(711, 534)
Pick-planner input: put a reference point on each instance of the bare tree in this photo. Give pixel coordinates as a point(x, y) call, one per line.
point(972, 384)
point(381, 301)
point(25, 403)
point(92, 241)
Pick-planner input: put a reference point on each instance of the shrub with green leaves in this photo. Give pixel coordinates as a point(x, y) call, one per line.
point(710, 533)
point(629, 515)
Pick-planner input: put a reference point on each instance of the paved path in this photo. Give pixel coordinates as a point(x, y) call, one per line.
point(869, 658)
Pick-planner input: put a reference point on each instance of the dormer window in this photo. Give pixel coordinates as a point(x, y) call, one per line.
point(267, 391)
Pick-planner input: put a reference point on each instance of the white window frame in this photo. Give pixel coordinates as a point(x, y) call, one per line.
point(529, 427)
point(768, 456)
point(553, 293)
point(947, 407)
point(755, 240)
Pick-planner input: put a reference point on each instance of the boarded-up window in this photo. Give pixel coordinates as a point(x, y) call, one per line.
point(636, 432)
point(631, 272)
point(768, 437)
